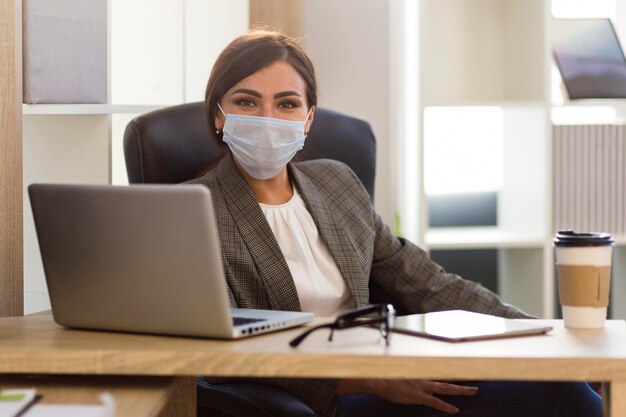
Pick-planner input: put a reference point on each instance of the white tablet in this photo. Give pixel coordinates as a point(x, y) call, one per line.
point(460, 326)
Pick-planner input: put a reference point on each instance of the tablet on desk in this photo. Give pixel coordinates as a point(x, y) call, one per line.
point(460, 326)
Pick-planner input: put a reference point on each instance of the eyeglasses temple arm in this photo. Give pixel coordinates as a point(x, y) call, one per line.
point(297, 340)
point(357, 312)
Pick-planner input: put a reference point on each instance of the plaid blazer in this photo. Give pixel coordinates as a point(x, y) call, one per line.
point(376, 265)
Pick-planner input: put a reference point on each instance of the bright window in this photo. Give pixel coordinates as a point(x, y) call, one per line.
point(462, 149)
point(572, 9)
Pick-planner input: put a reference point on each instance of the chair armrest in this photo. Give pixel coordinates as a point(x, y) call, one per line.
point(251, 399)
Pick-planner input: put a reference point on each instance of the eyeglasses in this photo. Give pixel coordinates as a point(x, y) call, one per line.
point(383, 314)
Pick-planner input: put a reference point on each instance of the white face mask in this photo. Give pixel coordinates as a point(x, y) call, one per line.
point(262, 145)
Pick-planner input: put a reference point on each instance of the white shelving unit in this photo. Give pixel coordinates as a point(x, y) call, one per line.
point(496, 53)
point(480, 237)
point(159, 53)
point(102, 109)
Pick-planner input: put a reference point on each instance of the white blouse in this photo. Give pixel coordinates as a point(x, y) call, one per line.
point(321, 288)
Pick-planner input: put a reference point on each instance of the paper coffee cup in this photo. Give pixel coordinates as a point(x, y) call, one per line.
point(583, 264)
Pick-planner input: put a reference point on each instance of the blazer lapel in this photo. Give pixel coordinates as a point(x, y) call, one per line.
point(258, 237)
point(340, 248)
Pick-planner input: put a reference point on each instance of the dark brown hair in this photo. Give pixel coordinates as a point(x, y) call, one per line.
point(246, 55)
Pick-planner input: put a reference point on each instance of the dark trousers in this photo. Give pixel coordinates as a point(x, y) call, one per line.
point(494, 399)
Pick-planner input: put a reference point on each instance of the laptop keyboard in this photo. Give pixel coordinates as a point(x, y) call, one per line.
point(239, 321)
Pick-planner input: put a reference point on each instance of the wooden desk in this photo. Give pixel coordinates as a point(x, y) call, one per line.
point(35, 344)
point(134, 396)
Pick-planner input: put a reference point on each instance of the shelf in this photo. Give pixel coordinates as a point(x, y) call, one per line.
point(487, 238)
point(511, 69)
point(480, 238)
point(73, 109)
point(591, 111)
point(620, 240)
point(593, 102)
point(486, 103)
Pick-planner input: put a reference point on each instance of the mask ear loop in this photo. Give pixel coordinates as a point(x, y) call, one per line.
point(305, 119)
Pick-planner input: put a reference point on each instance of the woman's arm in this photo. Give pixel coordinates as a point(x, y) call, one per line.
point(404, 275)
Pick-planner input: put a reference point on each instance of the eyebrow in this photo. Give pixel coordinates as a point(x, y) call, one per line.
point(286, 94)
point(259, 95)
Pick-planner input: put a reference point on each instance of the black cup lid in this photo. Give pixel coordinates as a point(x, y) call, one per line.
point(571, 238)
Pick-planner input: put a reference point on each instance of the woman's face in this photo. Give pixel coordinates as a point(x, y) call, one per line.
point(276, 91)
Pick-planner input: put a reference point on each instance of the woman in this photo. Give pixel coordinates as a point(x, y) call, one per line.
point(304, 236)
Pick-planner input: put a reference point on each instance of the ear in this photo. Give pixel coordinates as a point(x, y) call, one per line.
point(309, 120)
point(219, 119)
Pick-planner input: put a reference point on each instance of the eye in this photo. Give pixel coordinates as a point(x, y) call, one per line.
point(244, 102)
point(288, 105)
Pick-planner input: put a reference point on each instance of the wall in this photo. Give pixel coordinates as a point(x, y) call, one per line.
point(164, 56)
point(348, 42)
point(359, 48)
point(209, 26)
point(480, 51)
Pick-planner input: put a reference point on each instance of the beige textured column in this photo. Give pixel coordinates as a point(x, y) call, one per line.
point(182, 399)
point(617, 399)
point(11, 238)
point(282, 15)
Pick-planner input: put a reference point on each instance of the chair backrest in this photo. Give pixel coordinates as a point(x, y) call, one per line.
point(173, 145)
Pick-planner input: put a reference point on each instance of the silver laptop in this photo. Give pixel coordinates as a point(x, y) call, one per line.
point(142, 258)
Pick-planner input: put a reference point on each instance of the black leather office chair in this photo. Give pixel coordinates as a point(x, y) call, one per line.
point(173, 145)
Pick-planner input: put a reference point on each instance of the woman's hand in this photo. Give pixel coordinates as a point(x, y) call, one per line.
point(408, 391)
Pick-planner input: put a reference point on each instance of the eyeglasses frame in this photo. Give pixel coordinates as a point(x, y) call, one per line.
point(355, 318)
